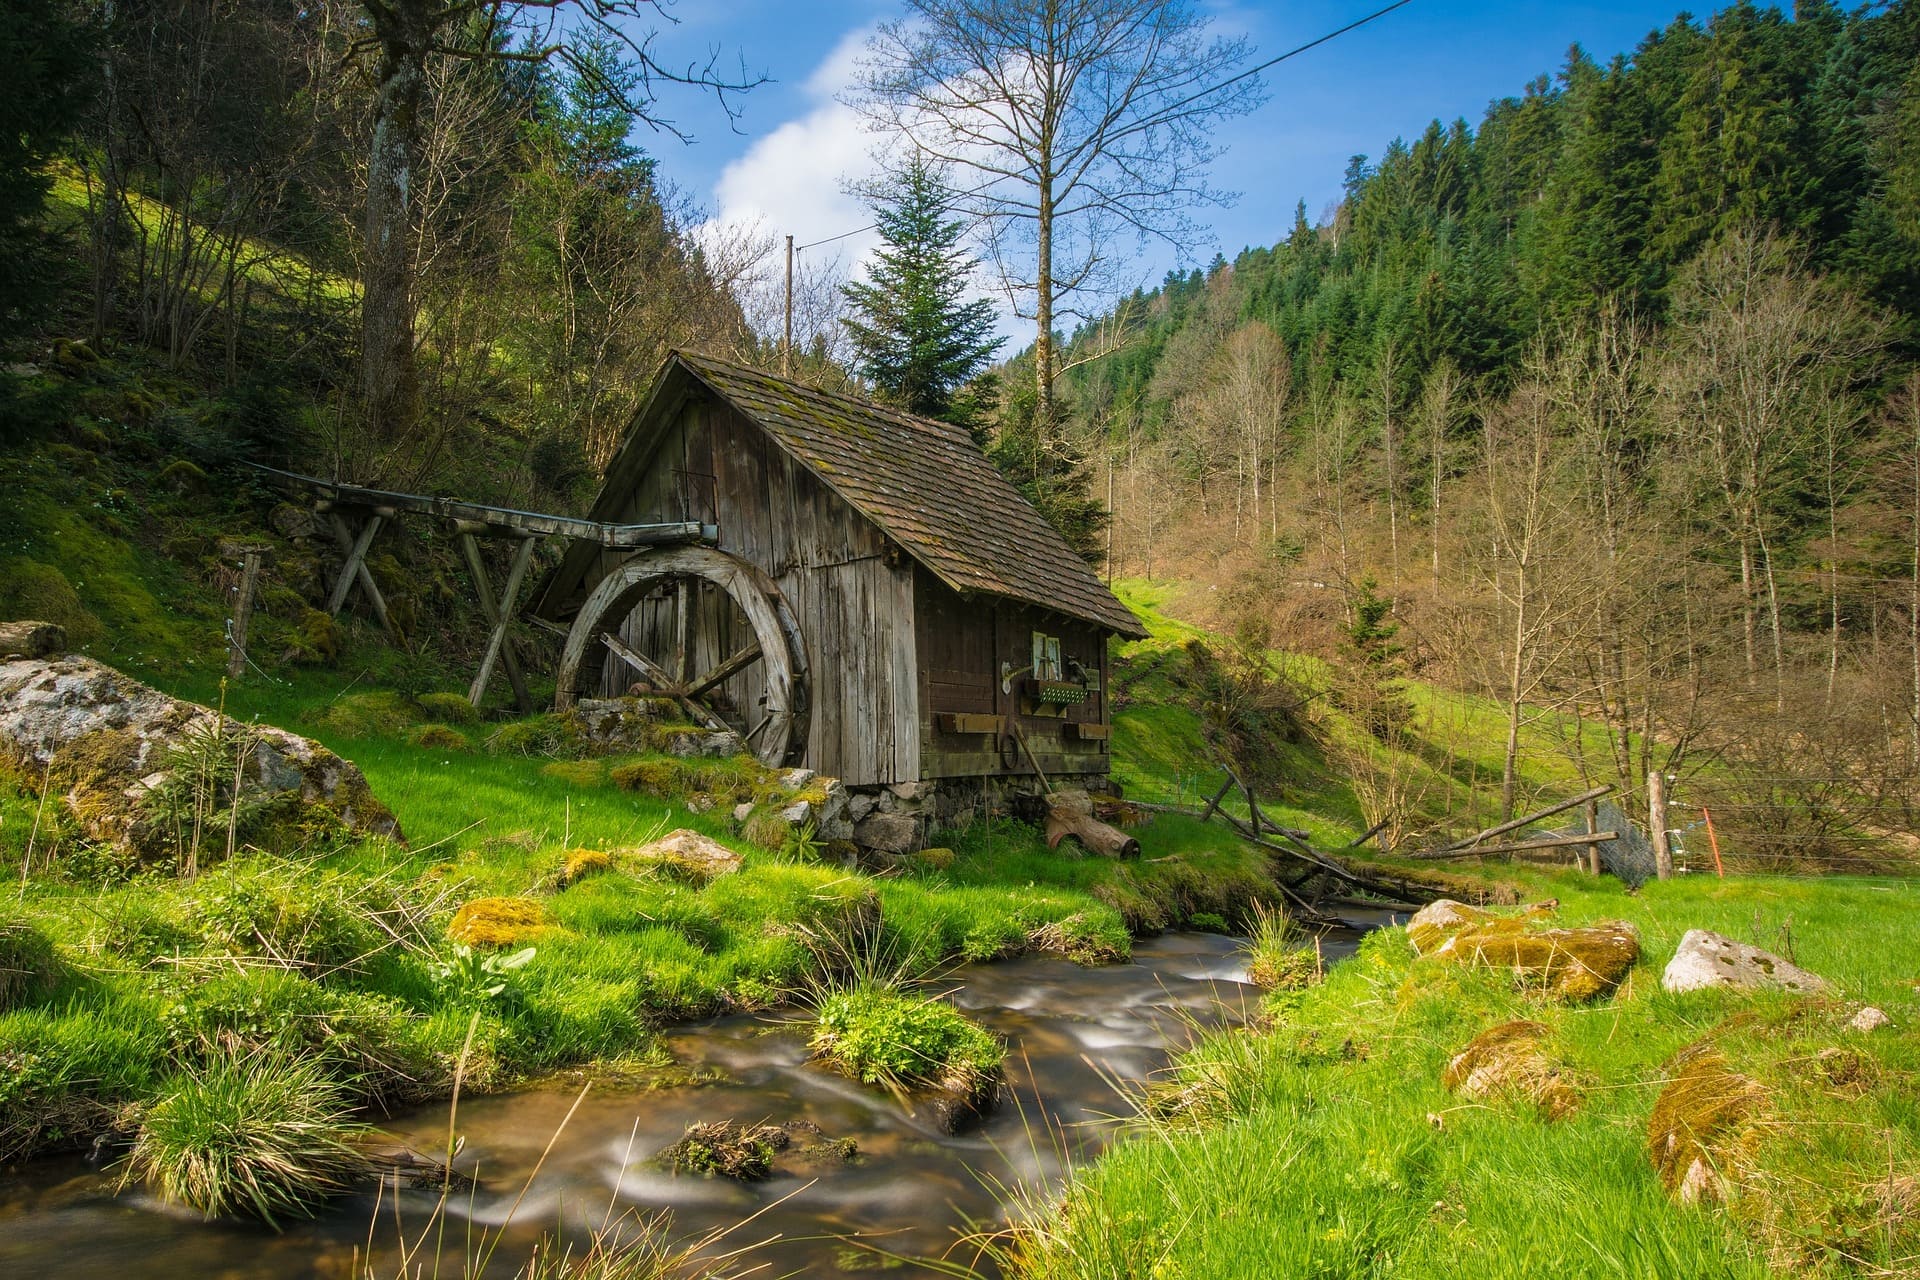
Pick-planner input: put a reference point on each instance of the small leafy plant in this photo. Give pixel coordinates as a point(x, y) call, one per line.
point(475, 975)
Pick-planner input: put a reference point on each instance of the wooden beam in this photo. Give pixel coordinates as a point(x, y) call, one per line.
point(1545, 842)
point(725, 671)
point(1516, 823)
point(355, 549)
point(526, 522)
point(501, 614)
point(681, 664)
point(658, 675)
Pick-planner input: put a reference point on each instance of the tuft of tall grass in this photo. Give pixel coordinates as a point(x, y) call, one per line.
point(263, 1136)
point(1280, 955)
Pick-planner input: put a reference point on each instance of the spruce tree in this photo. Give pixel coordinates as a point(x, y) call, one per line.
point(915, 336)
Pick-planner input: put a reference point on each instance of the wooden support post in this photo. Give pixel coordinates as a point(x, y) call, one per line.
point(500, 613)
point(680, 666)
point(1213, 804)
point(1657, 825)
point(250, 562)
point(1593, 825)
point(355, 567)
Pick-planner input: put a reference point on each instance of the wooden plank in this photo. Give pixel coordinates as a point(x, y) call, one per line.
point(356, 569)
point(1089, 732)
point(739, 662)
point(1516, 823)
point(965, 722)
point(1545, 842)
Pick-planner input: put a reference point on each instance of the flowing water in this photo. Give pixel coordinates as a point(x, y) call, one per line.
point(1074, 1035)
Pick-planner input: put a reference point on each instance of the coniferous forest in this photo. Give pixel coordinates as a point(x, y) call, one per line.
point(1608, 397)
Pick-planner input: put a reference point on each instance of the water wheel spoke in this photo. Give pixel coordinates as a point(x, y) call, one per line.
point(733, 666)
point(641, 663)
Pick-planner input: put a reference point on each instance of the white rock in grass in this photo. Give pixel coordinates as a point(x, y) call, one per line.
point(1707, 959)
point(1870, 1019)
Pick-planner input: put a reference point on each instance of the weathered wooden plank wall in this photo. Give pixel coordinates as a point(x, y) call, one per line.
point(961, 646)
point(852, 595)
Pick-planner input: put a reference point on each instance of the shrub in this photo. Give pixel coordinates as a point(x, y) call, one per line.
point(28, 964)
point(1277, 954)
point(288, 914)
point(366, 715)
point(262, 1136)
point(883, 1037)
point(498, 922)
point(438, 737)
point(268, 1011)
point(30, 589)
point(576, 773)
point(451, 708)
point(546, 735)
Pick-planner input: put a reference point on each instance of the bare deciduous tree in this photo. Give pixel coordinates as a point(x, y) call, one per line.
point(1067, 122)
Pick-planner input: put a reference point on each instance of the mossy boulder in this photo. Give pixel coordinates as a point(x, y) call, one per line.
point(1513, 1060)
point(30, 589)
point(1703, 1124)
point(121, 752)
point(690, 856)
point(448, 708)
point(1707, 959)
point(438, 737)
point(580, 864)
point(498, 922)
point(1575, 964)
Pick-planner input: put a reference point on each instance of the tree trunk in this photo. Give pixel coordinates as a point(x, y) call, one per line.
point(390, 376)
point(1043, 321)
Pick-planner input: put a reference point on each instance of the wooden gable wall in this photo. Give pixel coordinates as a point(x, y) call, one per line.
point(961, 644)
point(851, 592)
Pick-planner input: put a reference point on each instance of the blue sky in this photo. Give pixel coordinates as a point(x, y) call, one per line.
point(783, 164)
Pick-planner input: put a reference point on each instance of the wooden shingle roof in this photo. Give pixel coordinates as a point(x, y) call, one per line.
point(924, 483)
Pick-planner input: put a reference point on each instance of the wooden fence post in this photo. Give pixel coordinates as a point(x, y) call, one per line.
point(1657, 825)
point(250, 560)
point(1593, 825)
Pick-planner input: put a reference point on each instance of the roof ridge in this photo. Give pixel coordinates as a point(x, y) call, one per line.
point(916, 420)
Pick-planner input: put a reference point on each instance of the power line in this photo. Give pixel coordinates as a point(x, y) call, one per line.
point(1212, 89)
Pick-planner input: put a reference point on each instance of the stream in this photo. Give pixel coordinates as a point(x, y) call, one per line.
point(1072, 1033)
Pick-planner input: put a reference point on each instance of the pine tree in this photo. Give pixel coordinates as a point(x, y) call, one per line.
point(915, 336)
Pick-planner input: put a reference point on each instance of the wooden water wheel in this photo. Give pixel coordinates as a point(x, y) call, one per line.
point(708, 630)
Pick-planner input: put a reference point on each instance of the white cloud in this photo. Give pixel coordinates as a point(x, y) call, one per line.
point(793, 181)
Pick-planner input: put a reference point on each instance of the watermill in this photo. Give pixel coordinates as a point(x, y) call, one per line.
point(704, 628)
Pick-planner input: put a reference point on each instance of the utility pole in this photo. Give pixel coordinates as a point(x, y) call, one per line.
point(1657, 825)
point(786, 343)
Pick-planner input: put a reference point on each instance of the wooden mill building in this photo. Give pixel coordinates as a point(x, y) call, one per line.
point(870, 599)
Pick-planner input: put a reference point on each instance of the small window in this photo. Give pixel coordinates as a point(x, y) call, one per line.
point(1046, 657)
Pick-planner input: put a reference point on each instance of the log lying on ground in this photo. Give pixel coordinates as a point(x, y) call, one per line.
point(1070, 813)
point(32, 639)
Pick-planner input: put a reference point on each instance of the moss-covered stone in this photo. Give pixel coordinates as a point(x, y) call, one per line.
point(29, 589)
point(1572, 964)
point(498, 922)
point(448, 708)
point(1512, 1059)
point(725, 1149)
point(438, 737)
point(1703, 1123)
point(578, 864)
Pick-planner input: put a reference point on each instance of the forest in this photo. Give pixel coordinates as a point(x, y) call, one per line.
point(1604, 406)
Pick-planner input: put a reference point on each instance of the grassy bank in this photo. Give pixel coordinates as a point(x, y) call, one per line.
point(340, 950)
point(1324, 1143)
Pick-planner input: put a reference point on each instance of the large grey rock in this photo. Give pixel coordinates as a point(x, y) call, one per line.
point(1707, 959)
point(888, 832)
point(110, 741)
point(705, 743)
point(615, 725)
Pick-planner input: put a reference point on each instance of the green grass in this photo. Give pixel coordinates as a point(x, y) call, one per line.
point(264, 1136)
point(898, 1040)
point(1324, 1144)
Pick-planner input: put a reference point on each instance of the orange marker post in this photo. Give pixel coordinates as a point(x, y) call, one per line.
point(1713, 842)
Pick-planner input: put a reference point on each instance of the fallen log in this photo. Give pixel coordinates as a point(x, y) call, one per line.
point(1514, 824)
point(1070, 813)
point(1550, 842)
point(32, 639)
